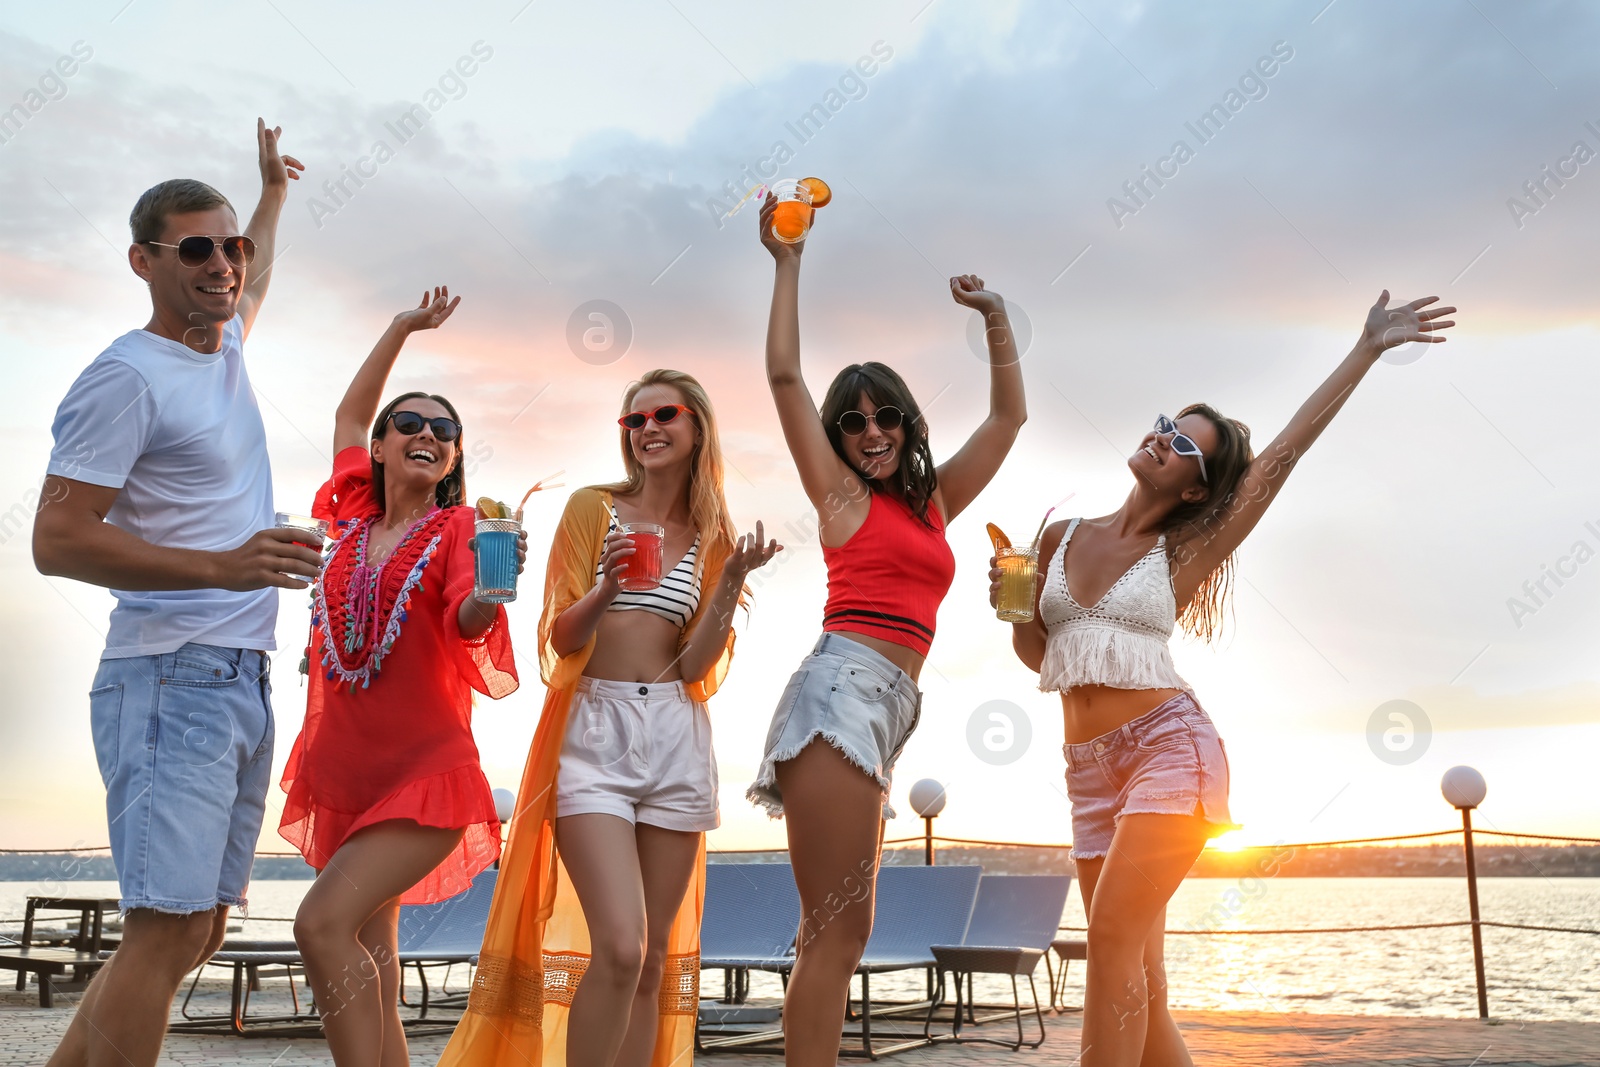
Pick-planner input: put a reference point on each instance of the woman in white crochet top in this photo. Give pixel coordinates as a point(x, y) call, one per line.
point(1146, 771)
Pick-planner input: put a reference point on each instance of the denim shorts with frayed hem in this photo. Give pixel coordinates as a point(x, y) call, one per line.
point(1168, 761)
point(184, 744)
point(853, 698)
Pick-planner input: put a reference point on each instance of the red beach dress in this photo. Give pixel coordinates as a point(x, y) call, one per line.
point(387, 732)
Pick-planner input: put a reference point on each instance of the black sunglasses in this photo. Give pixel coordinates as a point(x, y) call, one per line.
point(409, 422)
point(635, 420)
point(854, 423)
point(197, 251)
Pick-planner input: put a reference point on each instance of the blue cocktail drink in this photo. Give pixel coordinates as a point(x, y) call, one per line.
point(496, 571)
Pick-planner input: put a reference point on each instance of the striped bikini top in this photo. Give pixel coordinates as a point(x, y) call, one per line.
point(677, 597)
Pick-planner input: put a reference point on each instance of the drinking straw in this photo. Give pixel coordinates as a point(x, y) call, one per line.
point(757, 191)
point(538, 485)
point(1033, 546)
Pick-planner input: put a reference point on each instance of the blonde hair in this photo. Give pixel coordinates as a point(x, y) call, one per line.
point(708, 506)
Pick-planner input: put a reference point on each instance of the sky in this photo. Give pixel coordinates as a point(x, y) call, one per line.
point(1431, 558)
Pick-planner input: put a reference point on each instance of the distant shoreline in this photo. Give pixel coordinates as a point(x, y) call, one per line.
point(1358, 861)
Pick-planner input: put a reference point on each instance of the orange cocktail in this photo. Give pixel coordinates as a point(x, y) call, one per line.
point(1019, 567)
point(797, 200)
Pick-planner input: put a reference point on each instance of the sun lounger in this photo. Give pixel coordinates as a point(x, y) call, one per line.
point(914, 908)
point(430, 935)
point(917, 908)
point(1012, 928)
point(1065, 949)
point(752, 912)
point(247, 959)
point(445, 934)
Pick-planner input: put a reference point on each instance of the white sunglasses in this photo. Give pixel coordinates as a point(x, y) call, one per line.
point(1182, 443)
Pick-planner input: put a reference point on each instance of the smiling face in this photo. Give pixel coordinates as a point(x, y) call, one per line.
point(1157, 465)
point(876, 452)
point(656, 446)
point(199, 296)
point(420, 460)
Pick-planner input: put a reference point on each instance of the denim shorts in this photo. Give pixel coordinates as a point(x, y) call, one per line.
point(639, 752)
point(1168, 761)
point(184, 743)
point(851, 697)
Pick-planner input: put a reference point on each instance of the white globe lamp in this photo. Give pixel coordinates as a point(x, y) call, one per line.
point(505, 804)
point(927, 800)
point(1465, 789)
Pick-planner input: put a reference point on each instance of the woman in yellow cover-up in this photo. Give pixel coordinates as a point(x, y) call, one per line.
point(620, 783)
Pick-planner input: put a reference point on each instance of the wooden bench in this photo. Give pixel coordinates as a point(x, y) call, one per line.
point(49, 964)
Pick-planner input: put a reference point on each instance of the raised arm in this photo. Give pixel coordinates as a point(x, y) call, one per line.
point(828, 481)
point(277, 171)
point(964, 475)
point(359, 407)
point(1223, 532)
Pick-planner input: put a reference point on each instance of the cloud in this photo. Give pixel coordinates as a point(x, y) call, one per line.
point(1460, 708)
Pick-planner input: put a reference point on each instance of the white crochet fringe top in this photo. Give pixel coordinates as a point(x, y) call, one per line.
point(1122, 640)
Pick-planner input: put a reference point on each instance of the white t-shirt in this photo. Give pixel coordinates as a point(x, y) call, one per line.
point(179, 433)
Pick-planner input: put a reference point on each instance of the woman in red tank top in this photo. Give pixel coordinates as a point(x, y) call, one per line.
point(882, 507)
point(385, 795)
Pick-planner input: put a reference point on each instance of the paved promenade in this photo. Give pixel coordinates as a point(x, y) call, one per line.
point(1236, 1039)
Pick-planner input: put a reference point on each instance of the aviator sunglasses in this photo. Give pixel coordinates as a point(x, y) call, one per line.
point(1181, 443)
point(635, 420)
point(409, 422)
point(854, 423)
point(196, 251)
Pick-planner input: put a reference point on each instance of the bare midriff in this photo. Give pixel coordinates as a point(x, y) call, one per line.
point(899, 655)
point(1091, 710)
point(635, 646)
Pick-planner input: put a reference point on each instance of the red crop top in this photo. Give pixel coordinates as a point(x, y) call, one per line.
point(888, 579)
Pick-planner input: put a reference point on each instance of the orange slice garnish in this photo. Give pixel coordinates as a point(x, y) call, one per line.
point(997, 537)
point(821, 195)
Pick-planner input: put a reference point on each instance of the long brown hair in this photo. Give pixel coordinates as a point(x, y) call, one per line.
point(452, 488)
point(1225, 468)
point(915, 479)
point(708, 507)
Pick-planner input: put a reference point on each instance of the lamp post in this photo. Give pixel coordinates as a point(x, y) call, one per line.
point(927, 800)
point(1464, 788)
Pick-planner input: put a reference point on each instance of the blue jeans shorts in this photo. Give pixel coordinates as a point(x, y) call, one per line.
point(184, 743)
point(1168, 761)
point(851, 697)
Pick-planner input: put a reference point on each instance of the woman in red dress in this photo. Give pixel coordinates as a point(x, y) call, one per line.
point(385, 795)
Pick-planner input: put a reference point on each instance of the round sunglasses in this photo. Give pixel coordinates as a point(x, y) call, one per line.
point(197, 250)
point(854, 423)
point(1182, 443)
point(635, 420)
point(409, 422)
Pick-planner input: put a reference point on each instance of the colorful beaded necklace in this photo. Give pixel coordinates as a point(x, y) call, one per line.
point(361, 626)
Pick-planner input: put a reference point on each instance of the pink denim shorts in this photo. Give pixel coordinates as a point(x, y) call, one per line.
point(1168, 761)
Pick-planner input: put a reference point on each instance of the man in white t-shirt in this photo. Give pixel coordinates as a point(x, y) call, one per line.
point(159, 489)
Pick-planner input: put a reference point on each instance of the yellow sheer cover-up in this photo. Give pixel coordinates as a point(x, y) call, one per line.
point(536, 947)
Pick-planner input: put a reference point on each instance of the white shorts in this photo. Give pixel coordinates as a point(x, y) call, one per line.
point(639, 752)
